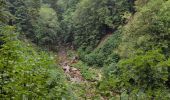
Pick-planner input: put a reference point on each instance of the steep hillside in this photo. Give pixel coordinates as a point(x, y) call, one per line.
point(28, 73)
point(143, 67)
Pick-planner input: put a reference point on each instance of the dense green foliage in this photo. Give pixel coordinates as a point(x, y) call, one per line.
point(144, 52)
point(128, 39)
point(25, 13)
point(81, 23)
point(93, 19)
point(47, 28)
point(104, 54)
point(26, 73)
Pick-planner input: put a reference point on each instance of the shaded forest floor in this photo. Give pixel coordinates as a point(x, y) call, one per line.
point(82, 78)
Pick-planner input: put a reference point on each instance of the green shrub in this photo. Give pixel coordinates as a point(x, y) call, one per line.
point(84, 69)
point(26, 73)
point(104, 53)
point(145, 74)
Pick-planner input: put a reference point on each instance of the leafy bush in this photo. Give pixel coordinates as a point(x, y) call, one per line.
point(146, 72)
point(94, 59)
point(148, 29)
point(143, 69)
point(104, 53)
point(84, 69)
point(26, 73)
